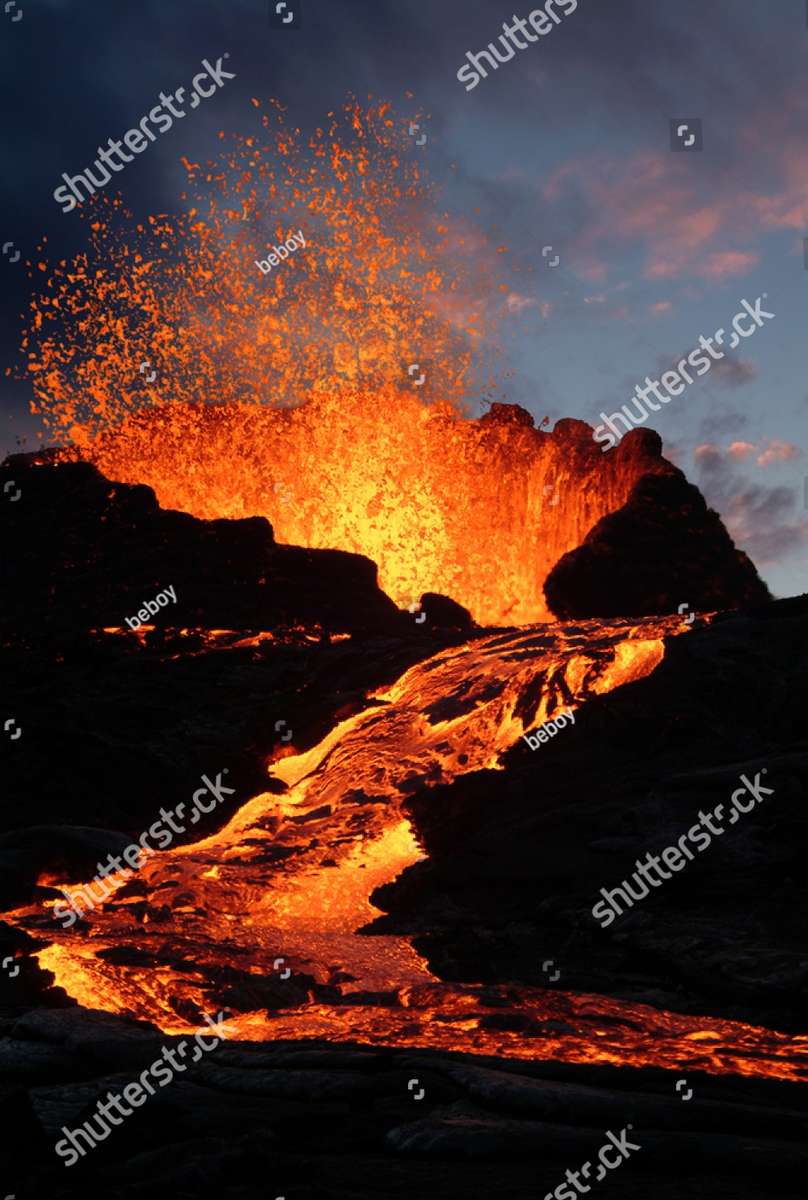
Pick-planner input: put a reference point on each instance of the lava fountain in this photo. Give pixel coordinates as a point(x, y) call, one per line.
point(292, 395)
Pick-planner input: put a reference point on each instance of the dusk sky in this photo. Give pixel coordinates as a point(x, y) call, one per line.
point(566, 145)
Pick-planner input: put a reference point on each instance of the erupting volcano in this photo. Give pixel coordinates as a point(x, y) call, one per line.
point(404, 854)
point(294, 396)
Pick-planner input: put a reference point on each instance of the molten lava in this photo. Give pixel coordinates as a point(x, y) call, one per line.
point(477, 510)
point(328, 396)
point(293, 395)
point(290, 878)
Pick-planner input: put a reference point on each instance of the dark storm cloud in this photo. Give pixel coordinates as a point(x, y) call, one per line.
point(85, 72)
point(733, 372)
point(723, 422)
point(727, 372)
point(763, 521)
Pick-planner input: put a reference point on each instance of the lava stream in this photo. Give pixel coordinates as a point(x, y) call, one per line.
point(289, 878)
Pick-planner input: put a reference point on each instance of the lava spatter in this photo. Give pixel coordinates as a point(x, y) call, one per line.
point(386, 277)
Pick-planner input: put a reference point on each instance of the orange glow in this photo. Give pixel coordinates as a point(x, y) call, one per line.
point(439, 502)
point(291, 875)
point(385, 278)
point(289, 395)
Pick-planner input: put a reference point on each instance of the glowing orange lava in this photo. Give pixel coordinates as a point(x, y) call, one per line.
point(290, 395)
point(385, 278)
point(476, 509)
point(289, 878)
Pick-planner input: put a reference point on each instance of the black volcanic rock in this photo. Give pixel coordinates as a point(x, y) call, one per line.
point(323, 1122)
point(507, 414)
point(80, 551)
point(665, 547)
point(444, 613)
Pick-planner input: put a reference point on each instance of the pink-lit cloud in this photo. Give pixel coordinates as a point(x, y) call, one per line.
point(733, 372)
point(741, 450)
point(709, 455)
point(727, 264)
point(777, 451)
point(683, 221)
point(517, 303)
point(765, 522)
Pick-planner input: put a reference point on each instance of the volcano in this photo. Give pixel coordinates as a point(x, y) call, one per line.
point(391, 900)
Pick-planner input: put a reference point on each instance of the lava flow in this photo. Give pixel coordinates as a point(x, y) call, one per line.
point(329, 396)
point(289, 879)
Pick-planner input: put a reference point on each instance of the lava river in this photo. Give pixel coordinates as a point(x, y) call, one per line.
point(263, 916)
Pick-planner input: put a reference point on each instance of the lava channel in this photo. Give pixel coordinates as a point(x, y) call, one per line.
point(288, 882)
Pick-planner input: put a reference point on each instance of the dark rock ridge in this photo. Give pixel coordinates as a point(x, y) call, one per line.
point(444, 613)
point(116, 725)
point(506, 500)
point(664, 547)
point(80, 552)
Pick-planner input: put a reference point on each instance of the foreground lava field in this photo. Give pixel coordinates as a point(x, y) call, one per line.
point(377, 901)
point(256, 893)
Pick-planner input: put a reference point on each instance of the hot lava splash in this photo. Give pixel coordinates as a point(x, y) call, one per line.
point(287, 884)
point(328, 395)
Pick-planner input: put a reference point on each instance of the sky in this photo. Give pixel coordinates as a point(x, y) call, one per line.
point(564, 150)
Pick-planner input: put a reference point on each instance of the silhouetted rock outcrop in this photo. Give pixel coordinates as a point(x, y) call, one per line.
point(479, 509)
point(80, 551)
point(445, 613)
point(663, 548)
